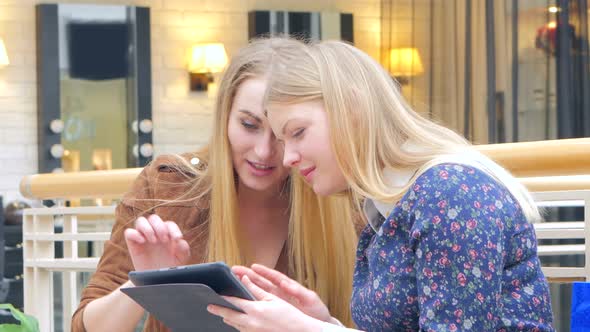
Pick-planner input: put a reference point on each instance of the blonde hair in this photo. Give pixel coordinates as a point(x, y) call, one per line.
point(371, 125)
point(322, 235)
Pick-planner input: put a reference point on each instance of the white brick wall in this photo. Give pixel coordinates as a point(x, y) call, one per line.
point(181, 118)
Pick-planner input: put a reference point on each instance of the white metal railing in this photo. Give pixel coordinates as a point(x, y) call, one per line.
point(94, 223)
point(565, 230)
point(91, 223)
point(558, 171)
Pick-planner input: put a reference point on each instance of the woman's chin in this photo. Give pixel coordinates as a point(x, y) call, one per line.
point(322, 190)
point(327, 189)
point(258, 183)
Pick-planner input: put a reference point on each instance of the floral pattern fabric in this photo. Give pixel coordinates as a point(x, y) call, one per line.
point(455, 254)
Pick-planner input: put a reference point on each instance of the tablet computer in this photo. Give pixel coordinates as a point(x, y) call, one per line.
point(218, 276)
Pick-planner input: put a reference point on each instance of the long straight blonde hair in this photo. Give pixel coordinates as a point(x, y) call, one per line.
point(371, 125)
point(322, 235)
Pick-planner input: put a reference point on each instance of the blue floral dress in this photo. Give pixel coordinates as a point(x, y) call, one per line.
point(454, 254)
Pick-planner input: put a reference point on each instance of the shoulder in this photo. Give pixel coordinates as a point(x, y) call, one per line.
point(451, 176)
point(168, 177)
point(457, 182)
point(186, 164)
point(457, 193)
point(450, 186)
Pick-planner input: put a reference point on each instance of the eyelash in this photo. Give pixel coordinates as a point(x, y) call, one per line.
point(298, 133)
point(249, 126)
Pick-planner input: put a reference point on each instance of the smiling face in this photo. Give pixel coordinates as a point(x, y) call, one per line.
point(304, 129)
point(256, 154)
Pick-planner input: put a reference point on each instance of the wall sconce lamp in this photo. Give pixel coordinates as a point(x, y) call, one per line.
point(404, 63)
point(206, 59)
point(3, 55)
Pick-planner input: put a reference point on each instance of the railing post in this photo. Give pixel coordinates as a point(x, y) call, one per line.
point(587, 231)
point(38, 282)
point(69, 285)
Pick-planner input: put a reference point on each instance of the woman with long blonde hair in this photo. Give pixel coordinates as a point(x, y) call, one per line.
point(233, 201)
point(449, 246)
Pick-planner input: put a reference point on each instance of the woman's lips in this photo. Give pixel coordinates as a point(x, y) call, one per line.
point(260, 169)
point(306, 173)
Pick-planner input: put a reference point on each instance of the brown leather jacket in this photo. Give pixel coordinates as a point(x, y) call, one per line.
point(160, 180)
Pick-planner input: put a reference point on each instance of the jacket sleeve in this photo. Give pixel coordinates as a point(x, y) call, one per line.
point(115, 263)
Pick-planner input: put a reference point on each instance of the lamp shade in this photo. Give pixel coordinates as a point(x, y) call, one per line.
point(3, 55)
point(207, 58)
point(405, 62)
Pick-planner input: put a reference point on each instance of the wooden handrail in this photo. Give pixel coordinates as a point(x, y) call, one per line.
point(557, 183)
point(542, 158)
point(543, 165)
point(90, 184)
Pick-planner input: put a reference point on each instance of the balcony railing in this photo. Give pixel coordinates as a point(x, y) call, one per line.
point(557, 172)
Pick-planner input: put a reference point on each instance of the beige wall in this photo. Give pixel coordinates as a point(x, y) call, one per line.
point(181, 119)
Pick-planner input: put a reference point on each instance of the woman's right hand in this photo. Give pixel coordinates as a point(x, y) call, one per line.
point(156, 244)
point(280, 285)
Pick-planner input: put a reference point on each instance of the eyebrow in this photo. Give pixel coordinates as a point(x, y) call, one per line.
point(285, 126)
point(256, 117)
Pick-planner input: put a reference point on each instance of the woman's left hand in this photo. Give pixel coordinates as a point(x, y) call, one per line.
point(278, 284)
point(268, 313)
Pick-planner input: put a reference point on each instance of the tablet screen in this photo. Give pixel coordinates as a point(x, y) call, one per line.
point(217, 276)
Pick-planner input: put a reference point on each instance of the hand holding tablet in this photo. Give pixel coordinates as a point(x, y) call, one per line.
point(179, 296)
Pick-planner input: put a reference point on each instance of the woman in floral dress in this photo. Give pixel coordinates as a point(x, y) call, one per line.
point(449, 244)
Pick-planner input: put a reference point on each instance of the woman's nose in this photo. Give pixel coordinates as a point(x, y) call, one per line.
point(291, 157)
point(265, 147)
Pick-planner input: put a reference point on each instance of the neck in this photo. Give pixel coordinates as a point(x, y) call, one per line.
point(275, 197)
point(264, 221)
